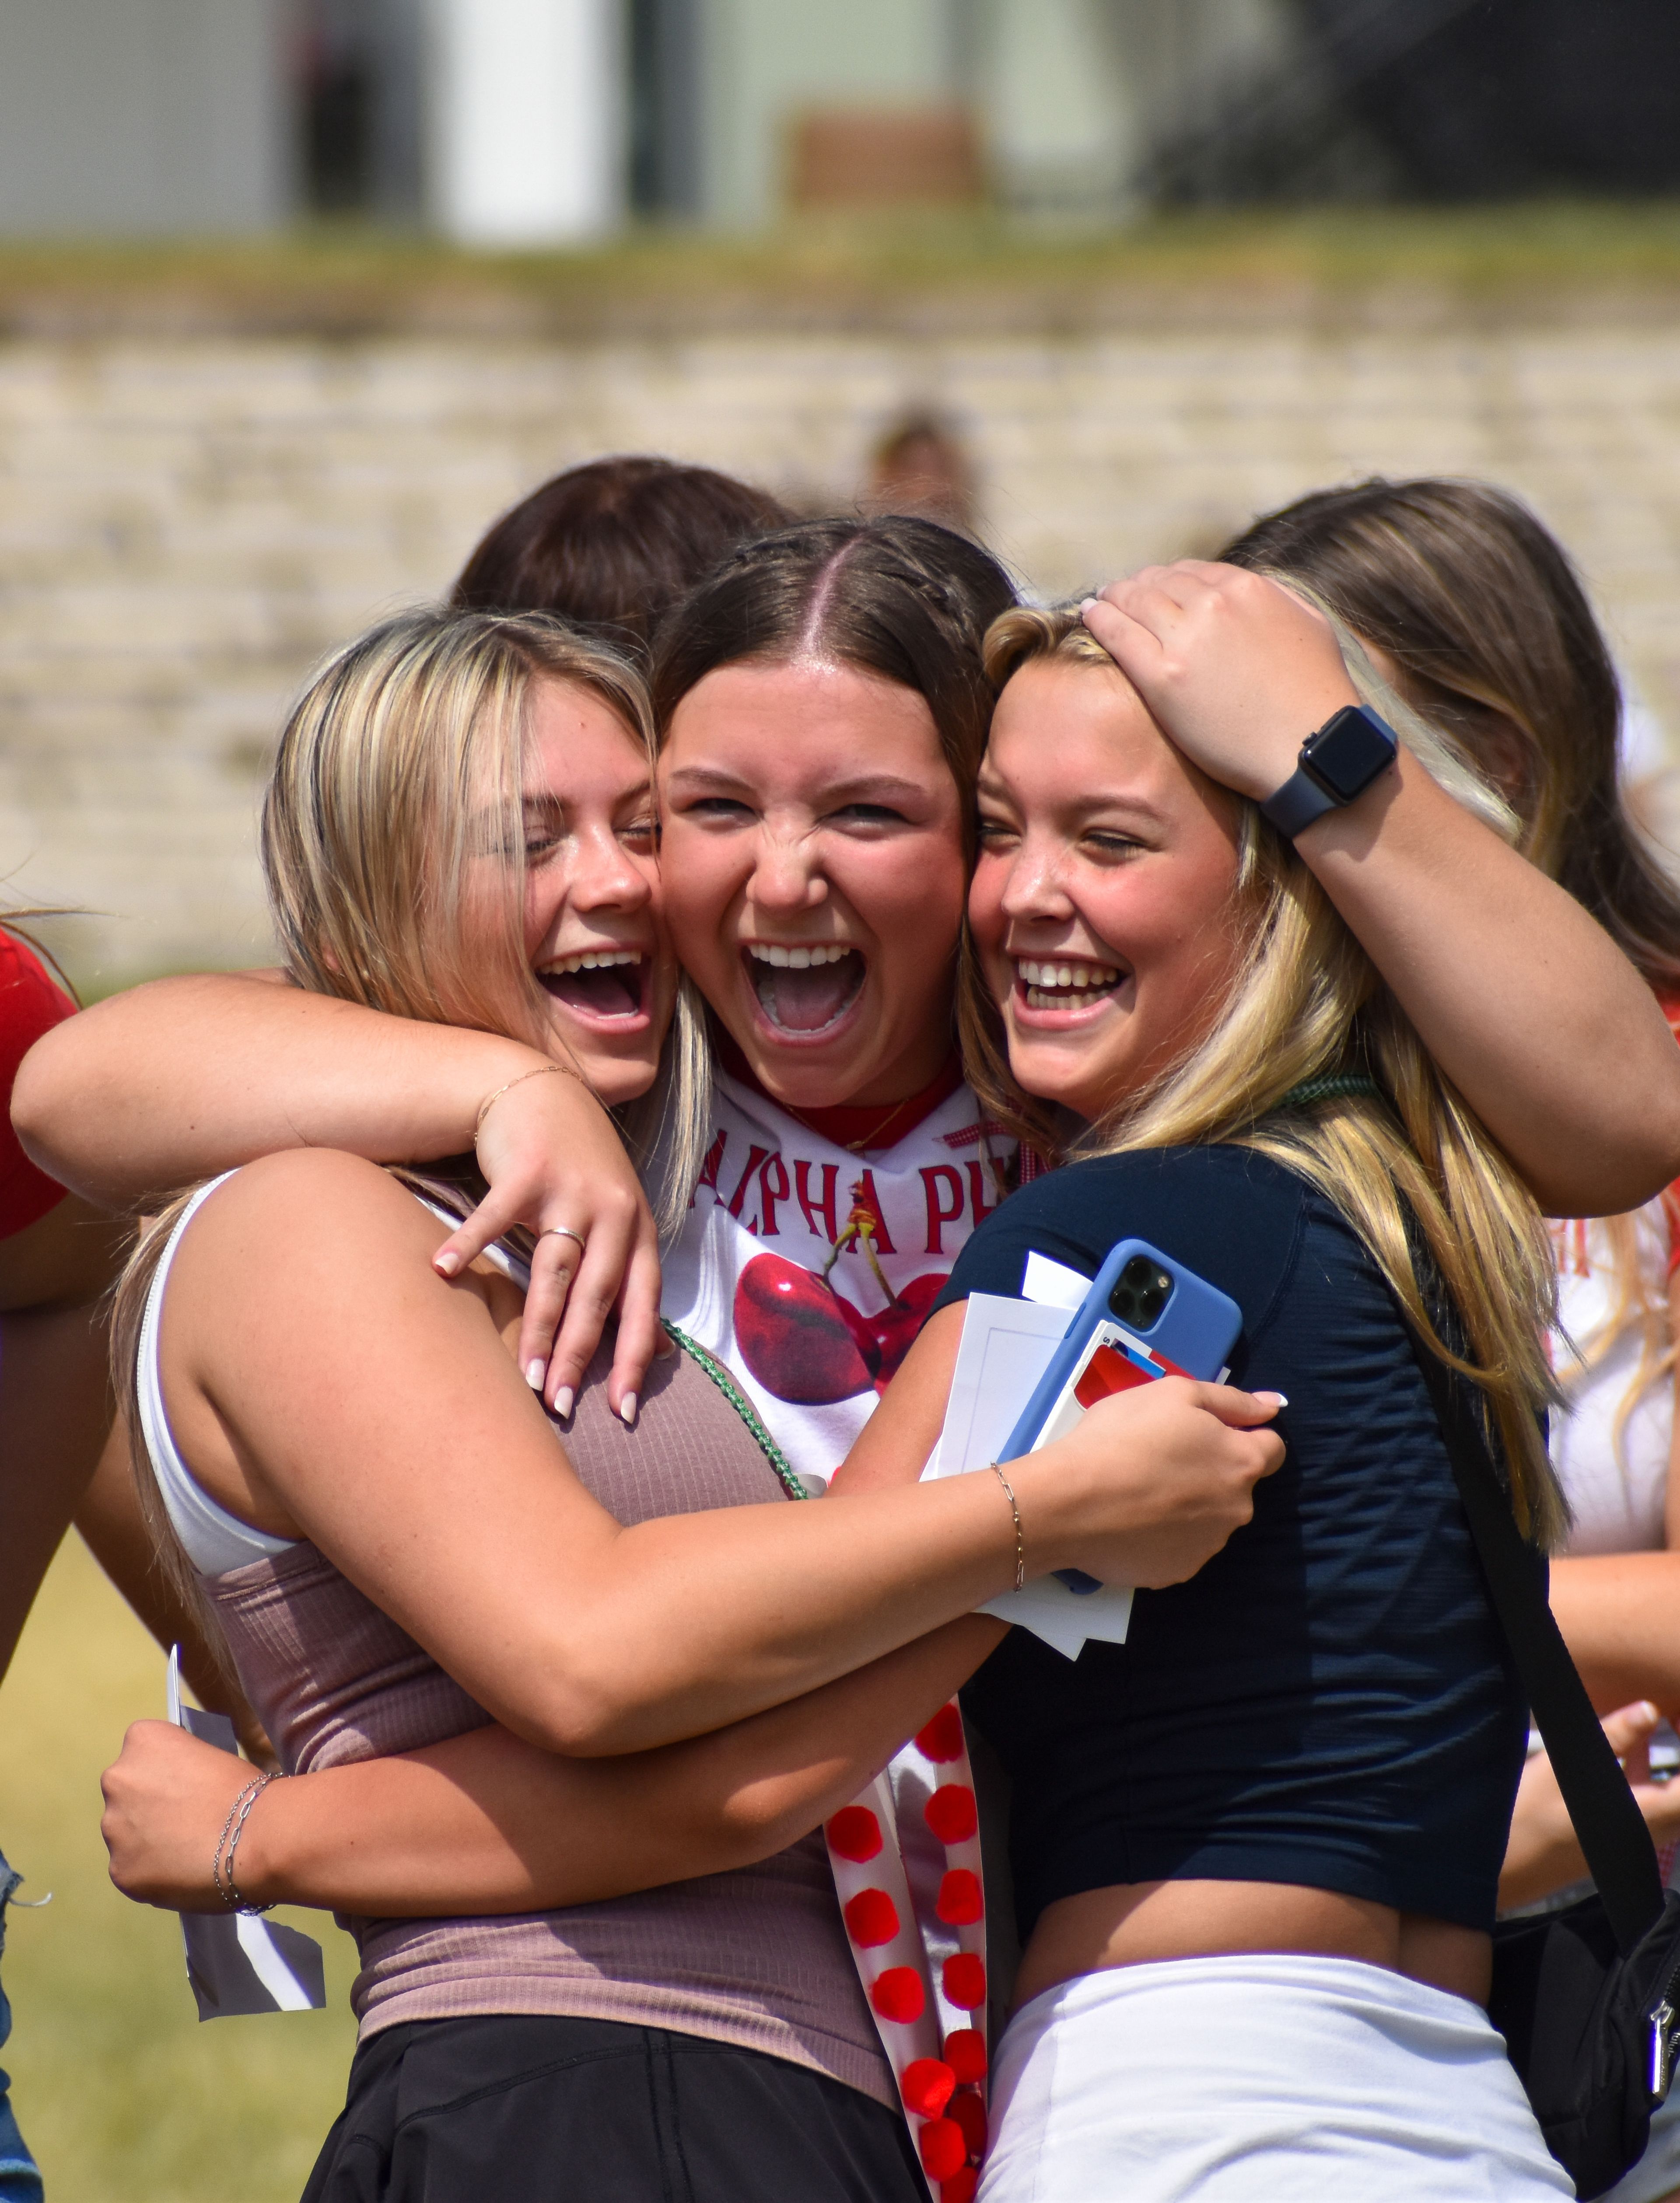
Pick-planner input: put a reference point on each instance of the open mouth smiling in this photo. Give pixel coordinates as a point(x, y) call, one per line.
point(802, 989)
point(1064, 983)
point(605, 985)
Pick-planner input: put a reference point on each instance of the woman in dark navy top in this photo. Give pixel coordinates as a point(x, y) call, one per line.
point(1372, 1742)
point(1257, 1846)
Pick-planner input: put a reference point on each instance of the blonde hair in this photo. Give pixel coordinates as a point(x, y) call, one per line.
point(1476, 604)
point(1414, 1172)
point(399, 765)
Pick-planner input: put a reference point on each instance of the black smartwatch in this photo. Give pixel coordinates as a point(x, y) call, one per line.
point(1339, 763)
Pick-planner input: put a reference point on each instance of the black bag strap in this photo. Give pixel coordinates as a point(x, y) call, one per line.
point(1617, 1844)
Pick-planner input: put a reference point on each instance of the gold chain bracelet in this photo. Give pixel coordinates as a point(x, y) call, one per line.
point(1021, 1542)
point(538, 1071)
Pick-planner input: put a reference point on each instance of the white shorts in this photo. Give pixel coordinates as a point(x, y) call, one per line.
point(1259, 2080)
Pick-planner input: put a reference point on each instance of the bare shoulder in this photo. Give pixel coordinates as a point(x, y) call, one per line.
point(306, 1208)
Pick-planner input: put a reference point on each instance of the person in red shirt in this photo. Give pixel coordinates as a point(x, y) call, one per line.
point(60, 1459)
point(56, 1257)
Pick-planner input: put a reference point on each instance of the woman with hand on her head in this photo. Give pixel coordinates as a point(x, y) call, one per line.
point(1470, 607)
point(326, 1845)
point(1256, 1848)
point(460, 809)
point(829, 652)
point(823, 712)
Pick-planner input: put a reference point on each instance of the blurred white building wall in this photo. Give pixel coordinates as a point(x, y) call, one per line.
point(763, 61)
point(143, 117)
point(1076, 96)
point(1066, 119)
point(526, 116)
point(1073, 98)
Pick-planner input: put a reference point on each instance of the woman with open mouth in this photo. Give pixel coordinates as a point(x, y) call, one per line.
point(341, 1466)
point(824, 713)
point(1257, 1848)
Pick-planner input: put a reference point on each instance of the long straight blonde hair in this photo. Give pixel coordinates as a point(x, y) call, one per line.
point(1306, 1003)
point(399, 769)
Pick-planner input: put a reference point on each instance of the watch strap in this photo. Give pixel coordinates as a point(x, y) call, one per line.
point(1327, 779)
point(1299, 800)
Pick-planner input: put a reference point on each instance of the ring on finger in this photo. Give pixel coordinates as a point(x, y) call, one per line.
point(560, 1231)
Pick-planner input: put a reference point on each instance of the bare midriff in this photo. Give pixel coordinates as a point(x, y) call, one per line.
point(1136, 1923)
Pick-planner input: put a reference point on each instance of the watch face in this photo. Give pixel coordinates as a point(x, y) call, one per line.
point(1349, 751)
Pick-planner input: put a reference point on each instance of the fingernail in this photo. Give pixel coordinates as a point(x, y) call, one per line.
point(534, 1373)
point(563, 1399)
point(1086, 603)
point(448, 1262)
point(1273, 1399)
point(627, 1410)
point(1647, 1711)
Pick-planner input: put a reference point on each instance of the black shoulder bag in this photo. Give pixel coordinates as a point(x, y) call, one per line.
point(1587, 1998)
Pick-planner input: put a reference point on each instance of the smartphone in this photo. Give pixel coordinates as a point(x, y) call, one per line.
point(1145, 1316)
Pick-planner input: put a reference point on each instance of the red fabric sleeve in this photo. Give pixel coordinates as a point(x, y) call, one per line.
point(30, 1004)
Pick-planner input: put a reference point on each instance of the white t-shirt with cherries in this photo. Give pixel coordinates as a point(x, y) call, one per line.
point(807, 1268)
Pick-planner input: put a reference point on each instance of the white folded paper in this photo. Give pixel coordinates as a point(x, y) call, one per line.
point(1006, 1348)
point(236, 1963)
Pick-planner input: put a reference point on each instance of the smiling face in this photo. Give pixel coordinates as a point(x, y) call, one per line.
point(814, 876)
point(594, 928)
point(1102, 902)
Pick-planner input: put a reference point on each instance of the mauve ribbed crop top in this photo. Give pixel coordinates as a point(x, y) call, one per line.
point(756, 1958)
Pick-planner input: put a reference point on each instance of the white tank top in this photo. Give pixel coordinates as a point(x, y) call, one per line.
point(1617, 1488)
point(214, 1540)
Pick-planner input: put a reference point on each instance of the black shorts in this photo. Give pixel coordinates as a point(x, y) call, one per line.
point(537, 2110)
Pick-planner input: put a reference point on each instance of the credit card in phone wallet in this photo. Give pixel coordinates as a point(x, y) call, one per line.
point(1115, 1363)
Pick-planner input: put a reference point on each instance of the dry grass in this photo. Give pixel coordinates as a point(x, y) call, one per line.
point(351, 279)
point(124, 2097)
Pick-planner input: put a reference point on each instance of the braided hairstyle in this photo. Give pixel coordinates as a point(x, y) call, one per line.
point(897, 596)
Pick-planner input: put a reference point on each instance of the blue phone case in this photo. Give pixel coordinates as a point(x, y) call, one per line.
point(1195, 1330)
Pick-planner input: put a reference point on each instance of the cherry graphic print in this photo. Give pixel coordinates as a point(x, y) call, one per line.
point(807, 1344)
point(793, 1335)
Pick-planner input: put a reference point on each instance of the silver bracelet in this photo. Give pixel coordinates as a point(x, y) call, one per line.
point(249, 1792)
point(222, 1869)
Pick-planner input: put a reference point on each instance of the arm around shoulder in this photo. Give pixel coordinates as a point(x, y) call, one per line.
point(176, 1080)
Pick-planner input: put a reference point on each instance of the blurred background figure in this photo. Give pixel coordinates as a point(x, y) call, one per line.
point(56, 1258)
point(921, 466)
point(610, 545)
point(1471, 610)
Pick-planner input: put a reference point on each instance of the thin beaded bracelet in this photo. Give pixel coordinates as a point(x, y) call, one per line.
point(1021, 1542)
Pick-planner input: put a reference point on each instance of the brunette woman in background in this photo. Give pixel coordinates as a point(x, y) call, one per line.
point(1468, 604)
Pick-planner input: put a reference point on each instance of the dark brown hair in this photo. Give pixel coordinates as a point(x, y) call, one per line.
point(1484, 617)
point(613, 545)
point(897, 596)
